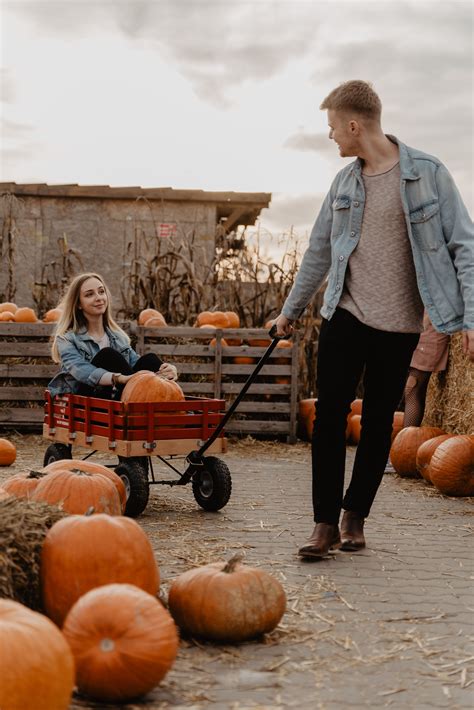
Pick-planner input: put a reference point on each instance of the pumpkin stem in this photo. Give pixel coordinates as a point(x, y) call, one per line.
point(36, 474)
point(232, 563)
point(90, 511)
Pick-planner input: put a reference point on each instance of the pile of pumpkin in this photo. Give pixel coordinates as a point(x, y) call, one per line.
point(10, 312)
point(444, 460)
point(307, 414)
point(103, 629)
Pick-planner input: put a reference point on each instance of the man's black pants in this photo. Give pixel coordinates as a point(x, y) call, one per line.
point(346, 347)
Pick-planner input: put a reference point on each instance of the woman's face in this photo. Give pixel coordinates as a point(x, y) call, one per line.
point(93, 298)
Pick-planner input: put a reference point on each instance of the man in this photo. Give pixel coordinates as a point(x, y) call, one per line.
point(394, 237)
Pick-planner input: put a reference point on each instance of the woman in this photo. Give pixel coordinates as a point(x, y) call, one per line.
point(94, 352)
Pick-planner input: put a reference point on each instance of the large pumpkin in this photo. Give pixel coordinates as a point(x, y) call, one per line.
point(81, 552)
point(7, 452)
point(451, 467)
point(226, 601)
point(90, 467)
point(25, 315)
point(405, 447)
point(147, 386)
point(425, 452)
point(23, 485)
point(123, 641)
point(76, 491)
point(36, 663)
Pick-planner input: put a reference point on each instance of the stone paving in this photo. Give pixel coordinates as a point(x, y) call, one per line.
point(390, 626)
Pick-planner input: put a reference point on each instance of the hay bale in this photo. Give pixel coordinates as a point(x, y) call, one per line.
point(23, 527)
point(449, 400)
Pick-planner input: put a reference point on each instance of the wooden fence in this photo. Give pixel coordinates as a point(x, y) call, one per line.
point(205, 368)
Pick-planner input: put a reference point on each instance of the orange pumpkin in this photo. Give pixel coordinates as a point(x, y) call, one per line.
point(155, 322)
point(226, 602)
point(354, 428)
point(147, 386)
point(398, 419)
point(25, 315)
point(23, 485)
point(76, 491)
point(90, 467)
point(52, 315)
point(405, 446)
point(123, 641)
point(213, 343)
point(244, 360)
point(218, 319)
point(7, 317)
point(425, 452)
point(37, 666)
point(81, 552)
point(233, 318)
point(146, 314)
point(306, 417)
point(4, 494)
point(7, 452)
point(451, 468)
point(8, 306)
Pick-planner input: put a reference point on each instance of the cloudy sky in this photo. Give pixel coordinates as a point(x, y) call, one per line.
point(224, 94)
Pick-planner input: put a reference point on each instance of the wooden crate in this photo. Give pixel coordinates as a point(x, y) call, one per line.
point(25, 370)
point(269, 407)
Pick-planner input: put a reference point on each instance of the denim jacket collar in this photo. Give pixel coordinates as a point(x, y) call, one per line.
point(408, 169)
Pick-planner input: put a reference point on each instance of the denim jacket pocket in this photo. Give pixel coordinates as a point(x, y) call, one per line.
point(340, 214)
point(426, 225)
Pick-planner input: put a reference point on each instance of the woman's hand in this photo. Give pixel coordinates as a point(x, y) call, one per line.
point(169, 371)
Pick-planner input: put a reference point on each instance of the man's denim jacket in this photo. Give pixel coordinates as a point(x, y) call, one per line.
point(76, 351)
point(440, 232)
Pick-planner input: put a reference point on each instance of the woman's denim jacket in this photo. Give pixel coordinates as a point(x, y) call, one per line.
point(76, 351)
point(440, 232)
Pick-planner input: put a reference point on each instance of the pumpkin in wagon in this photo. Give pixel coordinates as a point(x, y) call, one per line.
point(147, 386)
point(37, 666)
point(228, 602)
point(123, 641)
point(81, 552)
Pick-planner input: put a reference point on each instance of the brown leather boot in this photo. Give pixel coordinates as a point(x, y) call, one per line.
point(352, 531)
point(324, 537)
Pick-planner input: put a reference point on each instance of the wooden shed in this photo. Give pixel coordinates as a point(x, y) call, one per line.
point(49, 231)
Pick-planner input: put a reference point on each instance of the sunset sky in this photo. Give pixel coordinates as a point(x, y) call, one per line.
point(224, 95)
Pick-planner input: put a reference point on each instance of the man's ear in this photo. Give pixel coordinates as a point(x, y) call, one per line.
point(354, 127)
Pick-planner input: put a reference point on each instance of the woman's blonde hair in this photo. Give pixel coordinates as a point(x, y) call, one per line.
point(72, 317)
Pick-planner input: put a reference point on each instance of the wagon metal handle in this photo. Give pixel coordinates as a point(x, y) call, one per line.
point(195, 456)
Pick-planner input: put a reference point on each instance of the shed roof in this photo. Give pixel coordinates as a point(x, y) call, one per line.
point(236, 207)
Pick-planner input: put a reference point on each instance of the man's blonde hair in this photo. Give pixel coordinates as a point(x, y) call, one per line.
point(354, 96)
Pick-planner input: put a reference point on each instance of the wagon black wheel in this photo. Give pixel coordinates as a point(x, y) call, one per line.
point(135, 479)
point(57, 452)
point(212, 485)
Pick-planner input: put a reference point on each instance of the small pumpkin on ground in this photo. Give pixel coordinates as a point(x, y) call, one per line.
point(23, 485)
point(227, 602)
point(123, 641)
point(76, 491)
point(425, 452)
point(90, 467)
point(37, 666)
point(81, 552)
point(398, 419)
point(354, 428)
point(451, 468)
point(147, 386)
point(7, 452)
point(306, 417)
point(405, 447)
point(25, 315)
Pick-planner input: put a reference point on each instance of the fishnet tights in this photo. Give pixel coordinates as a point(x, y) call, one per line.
point(415, 396)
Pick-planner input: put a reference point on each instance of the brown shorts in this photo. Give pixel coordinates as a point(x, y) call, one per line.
point(431, 354)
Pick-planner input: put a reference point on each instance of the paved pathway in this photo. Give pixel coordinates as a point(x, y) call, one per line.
point(390, 626)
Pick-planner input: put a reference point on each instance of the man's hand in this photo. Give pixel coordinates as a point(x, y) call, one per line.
point(468, 344)
point(284, 326)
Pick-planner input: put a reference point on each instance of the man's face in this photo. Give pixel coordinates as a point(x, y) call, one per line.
point(341, 131)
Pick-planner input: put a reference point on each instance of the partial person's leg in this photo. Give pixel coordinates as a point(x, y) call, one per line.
point(150, 361)
point(385, 376)
point(112, 361)
point(415, 396)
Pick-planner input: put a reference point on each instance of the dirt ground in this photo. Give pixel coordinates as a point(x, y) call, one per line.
point(390, 626)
